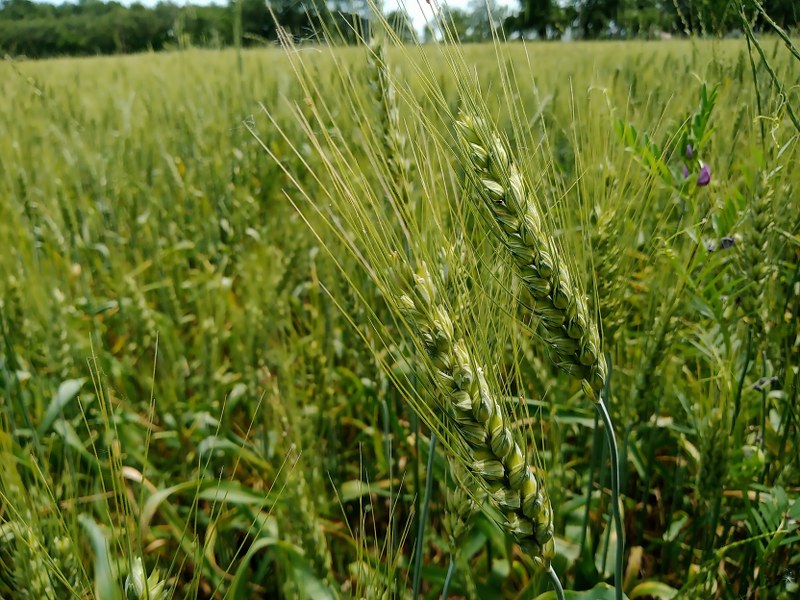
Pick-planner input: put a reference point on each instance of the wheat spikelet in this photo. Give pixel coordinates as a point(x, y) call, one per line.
point(607, 259)
point(564, 321)
point(462, 502)
point(305, 517)
point(477, 420)
point(461, 505)
point(755, 259)
point(140, 586)
point(384, 97)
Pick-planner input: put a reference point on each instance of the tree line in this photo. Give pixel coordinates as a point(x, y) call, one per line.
point(94, 27)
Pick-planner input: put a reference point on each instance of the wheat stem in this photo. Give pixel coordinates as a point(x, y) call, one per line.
point(423, 517)
point(450, 571)
point(559, 589)
point(614, 455)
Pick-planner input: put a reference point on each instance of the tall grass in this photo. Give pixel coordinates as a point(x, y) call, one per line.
point(200, 389)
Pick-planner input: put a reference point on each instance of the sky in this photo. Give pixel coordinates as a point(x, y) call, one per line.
point(420, 10)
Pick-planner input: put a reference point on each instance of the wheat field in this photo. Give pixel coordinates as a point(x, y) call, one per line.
point(250, 318)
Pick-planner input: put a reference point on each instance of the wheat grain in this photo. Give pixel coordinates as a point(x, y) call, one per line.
point(494, 457)
point(564, 321)
point(392, 138)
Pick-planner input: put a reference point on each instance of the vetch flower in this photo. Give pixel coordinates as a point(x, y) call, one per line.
point(685, 171)
point(689, 153)
point(727, 242)
point(704, 178)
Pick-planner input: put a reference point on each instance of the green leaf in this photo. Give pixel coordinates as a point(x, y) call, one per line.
point(73, 440)
point(104, 586)
point(233, 493)
point(606, 551)
point(602, 591)
point(216, 443)
point(269, 537)
point(154, 501)
point(308, 584)
point(679, 519)
point(67, 391)
point(654, 589)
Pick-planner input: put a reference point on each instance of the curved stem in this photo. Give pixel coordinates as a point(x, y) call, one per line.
point(423, 517)
point(556, 583)
point(612, 446)
point(615, 469)
point(450, 570)
point(587, 509)
point(737, 399)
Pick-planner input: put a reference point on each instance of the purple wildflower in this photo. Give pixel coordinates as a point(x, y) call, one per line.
point(711, 246)
point(689, 151)
point(704, 178)
point(727, 242)
point(685, 171)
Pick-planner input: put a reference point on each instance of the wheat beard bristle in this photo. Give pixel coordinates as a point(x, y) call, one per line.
point(495, 459)
point(564, 322)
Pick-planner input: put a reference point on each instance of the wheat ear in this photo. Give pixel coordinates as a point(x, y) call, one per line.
point(755, 259)
point(494, 458)
point(461, 504)
point(557, 302)
point(392, 138)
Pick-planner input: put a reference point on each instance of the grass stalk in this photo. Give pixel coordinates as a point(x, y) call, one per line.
point(597, 436)
point(451, 569)
point(615, 498)
point(423, 519)
point(559, 589)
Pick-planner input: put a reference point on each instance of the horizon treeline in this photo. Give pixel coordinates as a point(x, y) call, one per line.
point(91, 27)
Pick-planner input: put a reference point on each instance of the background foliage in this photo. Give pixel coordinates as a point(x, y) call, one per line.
point(180, 388)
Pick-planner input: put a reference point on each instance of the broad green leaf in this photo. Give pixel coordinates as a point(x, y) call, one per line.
point(654, 589)
point(602, 591)
point(350, 490)
point(606, 551)
point(67, 391)
point(307, 582)
point(73, 440)
point(233, 493)
point(104, 585)
point(215, 443)
point(679, 519)
point(153, 502)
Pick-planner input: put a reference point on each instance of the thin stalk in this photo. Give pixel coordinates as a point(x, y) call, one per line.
point(447, 578)
point(387, 431)
point(748, 30)
point(589, 485)
point(601, 483)
point(763, 429)
point(556, 583)
point(423, 518)
point(737, 400)
point(614, 455)
point(786, 421)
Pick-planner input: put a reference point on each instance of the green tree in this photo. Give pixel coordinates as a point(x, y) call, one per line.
point(595, 17)
point(400, 22)
point(537, 16)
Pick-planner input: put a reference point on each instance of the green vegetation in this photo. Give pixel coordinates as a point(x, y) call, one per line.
point(279, 327)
